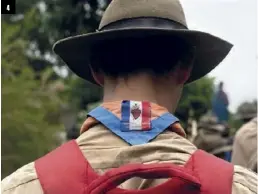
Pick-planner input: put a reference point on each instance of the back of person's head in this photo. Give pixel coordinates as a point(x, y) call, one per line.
point(157, 56)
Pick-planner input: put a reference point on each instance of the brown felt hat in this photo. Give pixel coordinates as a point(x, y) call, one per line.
point(143, 18)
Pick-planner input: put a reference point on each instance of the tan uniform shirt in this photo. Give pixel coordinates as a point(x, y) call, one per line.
point(245, 145)
point(104, 151)
point(167, 147)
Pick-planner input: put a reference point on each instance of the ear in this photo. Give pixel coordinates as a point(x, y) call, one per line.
point(182, 74)
point(98, 77)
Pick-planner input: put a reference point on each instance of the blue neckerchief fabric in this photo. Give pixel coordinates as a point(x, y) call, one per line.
point(113, 123)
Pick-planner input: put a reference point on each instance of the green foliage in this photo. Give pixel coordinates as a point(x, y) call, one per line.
point(30, 106)
point(196, 99)
point(82, 93)
point(234, 124)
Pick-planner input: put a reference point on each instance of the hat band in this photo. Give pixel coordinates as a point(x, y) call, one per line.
point(144, 22)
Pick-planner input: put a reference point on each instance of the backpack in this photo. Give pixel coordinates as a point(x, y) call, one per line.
point(66, 171)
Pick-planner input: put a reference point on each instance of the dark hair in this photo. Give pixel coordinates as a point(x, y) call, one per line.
point(156, 55)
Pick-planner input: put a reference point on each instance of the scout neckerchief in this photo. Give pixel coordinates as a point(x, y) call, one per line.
point(134, 121)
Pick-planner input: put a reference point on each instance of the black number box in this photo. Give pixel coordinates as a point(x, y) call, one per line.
point(8, 6)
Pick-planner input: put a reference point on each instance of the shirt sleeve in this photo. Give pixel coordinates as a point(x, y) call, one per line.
point(244, 181)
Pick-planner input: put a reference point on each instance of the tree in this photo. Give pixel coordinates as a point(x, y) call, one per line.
point(30, 102)
point(55, 20)
point(196, 99)
point(52, 21)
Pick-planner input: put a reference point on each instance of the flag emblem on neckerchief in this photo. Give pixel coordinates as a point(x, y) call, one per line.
point(135, 116)
point(135, 111)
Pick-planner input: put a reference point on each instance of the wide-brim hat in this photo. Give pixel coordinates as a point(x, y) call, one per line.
point(143, 18)
point(247, 110)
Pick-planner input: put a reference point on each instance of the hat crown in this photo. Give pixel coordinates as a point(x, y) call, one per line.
point(126, 9)
point(247, 109)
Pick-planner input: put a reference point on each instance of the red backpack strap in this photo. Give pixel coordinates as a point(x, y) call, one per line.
point(64, 170)
point(215, 174)
point(181, 179)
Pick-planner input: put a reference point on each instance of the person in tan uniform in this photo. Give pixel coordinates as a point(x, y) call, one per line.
point(142, 55)
point(245, 143)
point(212, 136)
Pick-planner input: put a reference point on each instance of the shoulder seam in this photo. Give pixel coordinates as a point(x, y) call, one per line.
point(237, 182)
point(15, 186)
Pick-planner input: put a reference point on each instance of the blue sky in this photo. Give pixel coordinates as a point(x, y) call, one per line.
point(235, 21)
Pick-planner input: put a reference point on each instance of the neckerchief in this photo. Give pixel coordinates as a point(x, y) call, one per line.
point(133, 121)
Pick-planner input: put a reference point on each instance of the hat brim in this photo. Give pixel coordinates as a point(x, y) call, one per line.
point(210, 50)
point(246, 116)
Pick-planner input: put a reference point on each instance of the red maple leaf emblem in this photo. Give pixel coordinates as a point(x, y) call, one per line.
point(136, 112)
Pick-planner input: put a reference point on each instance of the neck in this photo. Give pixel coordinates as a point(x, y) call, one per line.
point(141, 88)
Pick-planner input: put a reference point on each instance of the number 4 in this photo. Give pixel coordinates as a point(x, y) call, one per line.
point(8, 8)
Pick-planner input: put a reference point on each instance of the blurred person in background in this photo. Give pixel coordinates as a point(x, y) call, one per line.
point(142, 56)
point(245, 143)
point(213, 137)
point(220, 104)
